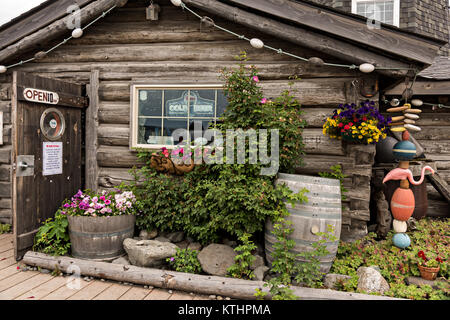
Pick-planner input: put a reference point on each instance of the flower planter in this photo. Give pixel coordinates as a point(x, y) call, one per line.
point(428, 273)
point(100, 238)
point(166, 165)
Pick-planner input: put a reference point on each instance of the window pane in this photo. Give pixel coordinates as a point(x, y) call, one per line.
point(202, 103)
point(170, 125)
point(149, 131)
point(150, 102)
point(176, 103)
point(222, 102)
point(197, 129)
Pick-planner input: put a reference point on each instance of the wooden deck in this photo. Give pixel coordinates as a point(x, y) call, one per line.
point(17, 284)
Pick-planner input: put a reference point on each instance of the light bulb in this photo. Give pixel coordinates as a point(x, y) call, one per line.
point(3, 69)
point(366, 67)
point(416, 102)
point(176, 2)
point(256, 43)
point(77, 33)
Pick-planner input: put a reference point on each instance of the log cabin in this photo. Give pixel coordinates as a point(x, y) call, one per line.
point(129, 47)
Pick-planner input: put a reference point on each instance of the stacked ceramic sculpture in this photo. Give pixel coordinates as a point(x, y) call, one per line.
point(406, 121)
point(402, 201)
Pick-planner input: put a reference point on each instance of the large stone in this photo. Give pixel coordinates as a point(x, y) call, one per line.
point(370, 280)
point(148, 235)
point(195, 246)
point(121, 260)
point(260, 272)
point(216, 258)
point(183, 244)
point(258, 262)
point(174, 237)
point(148, 253)
point(332, 279)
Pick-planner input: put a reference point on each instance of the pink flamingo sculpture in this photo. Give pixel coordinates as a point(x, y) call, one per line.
point(403, 174)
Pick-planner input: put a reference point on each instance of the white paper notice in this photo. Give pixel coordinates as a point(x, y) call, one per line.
point(52, 160)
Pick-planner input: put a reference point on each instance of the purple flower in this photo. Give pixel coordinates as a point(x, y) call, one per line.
point(172, 259)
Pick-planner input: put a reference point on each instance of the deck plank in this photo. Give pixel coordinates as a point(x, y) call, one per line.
point(113, 293)
point(135, 293)
point(15, 279)
point(7, 254)
point(7, 262)
point(65, 292)
point(178, 295)
point(158, 294)
point(25, 286)
point(8, 271)
point(44, 289)
point(5, 246)
point(91, 291)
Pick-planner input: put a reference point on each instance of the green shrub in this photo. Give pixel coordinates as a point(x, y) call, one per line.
point(5, 228)
point(53, 236)
point(244, 259)
point(185, 260)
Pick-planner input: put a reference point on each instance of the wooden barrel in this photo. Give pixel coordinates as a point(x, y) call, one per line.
point(322, 209)
point(100, 238)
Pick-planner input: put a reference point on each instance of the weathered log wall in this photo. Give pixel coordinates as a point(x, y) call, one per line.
point(5, 151)
point(125, 47)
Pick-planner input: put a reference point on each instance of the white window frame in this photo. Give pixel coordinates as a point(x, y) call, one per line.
point(396, 18)
point(134, 108)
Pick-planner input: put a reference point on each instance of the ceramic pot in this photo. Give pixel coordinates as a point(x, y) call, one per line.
point(428, 273)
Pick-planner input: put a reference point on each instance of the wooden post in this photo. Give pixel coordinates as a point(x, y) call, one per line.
point(91, 169)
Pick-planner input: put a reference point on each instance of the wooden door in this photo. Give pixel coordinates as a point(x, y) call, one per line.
point(47, 130)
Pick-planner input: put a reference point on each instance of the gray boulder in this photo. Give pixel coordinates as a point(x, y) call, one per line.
point(162, 239)
point(174, 237)
point(148, 235)
point(370, 280)
point(216, 258)
point(260, 272)
point(258, 262)
point(195, 246)
point(148, 253)
point(332, 279)
point(122, 260)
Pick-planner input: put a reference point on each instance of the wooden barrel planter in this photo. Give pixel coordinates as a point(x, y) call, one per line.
point(322, 209)
point(100, 238)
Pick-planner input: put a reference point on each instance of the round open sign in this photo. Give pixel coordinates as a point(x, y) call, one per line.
point(52, 124)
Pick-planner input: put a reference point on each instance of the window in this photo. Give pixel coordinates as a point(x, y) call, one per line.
point(159, 110)
point(386, 11)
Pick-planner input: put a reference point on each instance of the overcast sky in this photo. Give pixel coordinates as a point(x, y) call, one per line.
point(9, 9)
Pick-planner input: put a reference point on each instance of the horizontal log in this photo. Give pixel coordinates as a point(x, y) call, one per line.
point(114, 112)
point(5, 91)
point(313, 164)
point(309, 92)
point(185, 51)
point(5, 154)
point(5, 189)
point(363, 215)
point(114, 135)
point(432, 133)
point(112, 177)
point(5, 203)
point(436, 146)
point(125, 70)
point(6, 216)
point(438, 208)
point(5, 172)
point(433, 119)
point(203, 284)
point(117, 157)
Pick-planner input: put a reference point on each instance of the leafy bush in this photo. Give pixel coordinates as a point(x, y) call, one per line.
point(185, 260)
point(244, 259)
point(5, 228)
point(53, 236)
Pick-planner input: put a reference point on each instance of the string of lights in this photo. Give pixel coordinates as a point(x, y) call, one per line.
point(416, 102)
point(76, 33)
point(257, 43)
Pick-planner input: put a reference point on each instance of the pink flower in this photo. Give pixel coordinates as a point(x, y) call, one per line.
point(255, 78)
point(263, 100)
point(102, 198)
point(107, 202)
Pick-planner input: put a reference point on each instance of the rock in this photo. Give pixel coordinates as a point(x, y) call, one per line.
point(421, 282)
point(399, 226)
point(212, 297)
point(332, 279)
point(219, 298)
point(230, 243)
point(122, 260)
point(258, 262)
point(370, 280)
point(260, 273)
point(182, 244)
point(46, 271)
point(148, 253)
point(260, 249)
point(162, 239)
point(175, 237)
point(148, 235)
point(195, 246)
point(216, 258)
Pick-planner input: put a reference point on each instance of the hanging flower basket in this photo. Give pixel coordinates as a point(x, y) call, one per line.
point(357, 124)
point(163, 162)
point(428, 273)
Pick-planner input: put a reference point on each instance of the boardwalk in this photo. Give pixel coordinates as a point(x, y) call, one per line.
point(17, 284)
